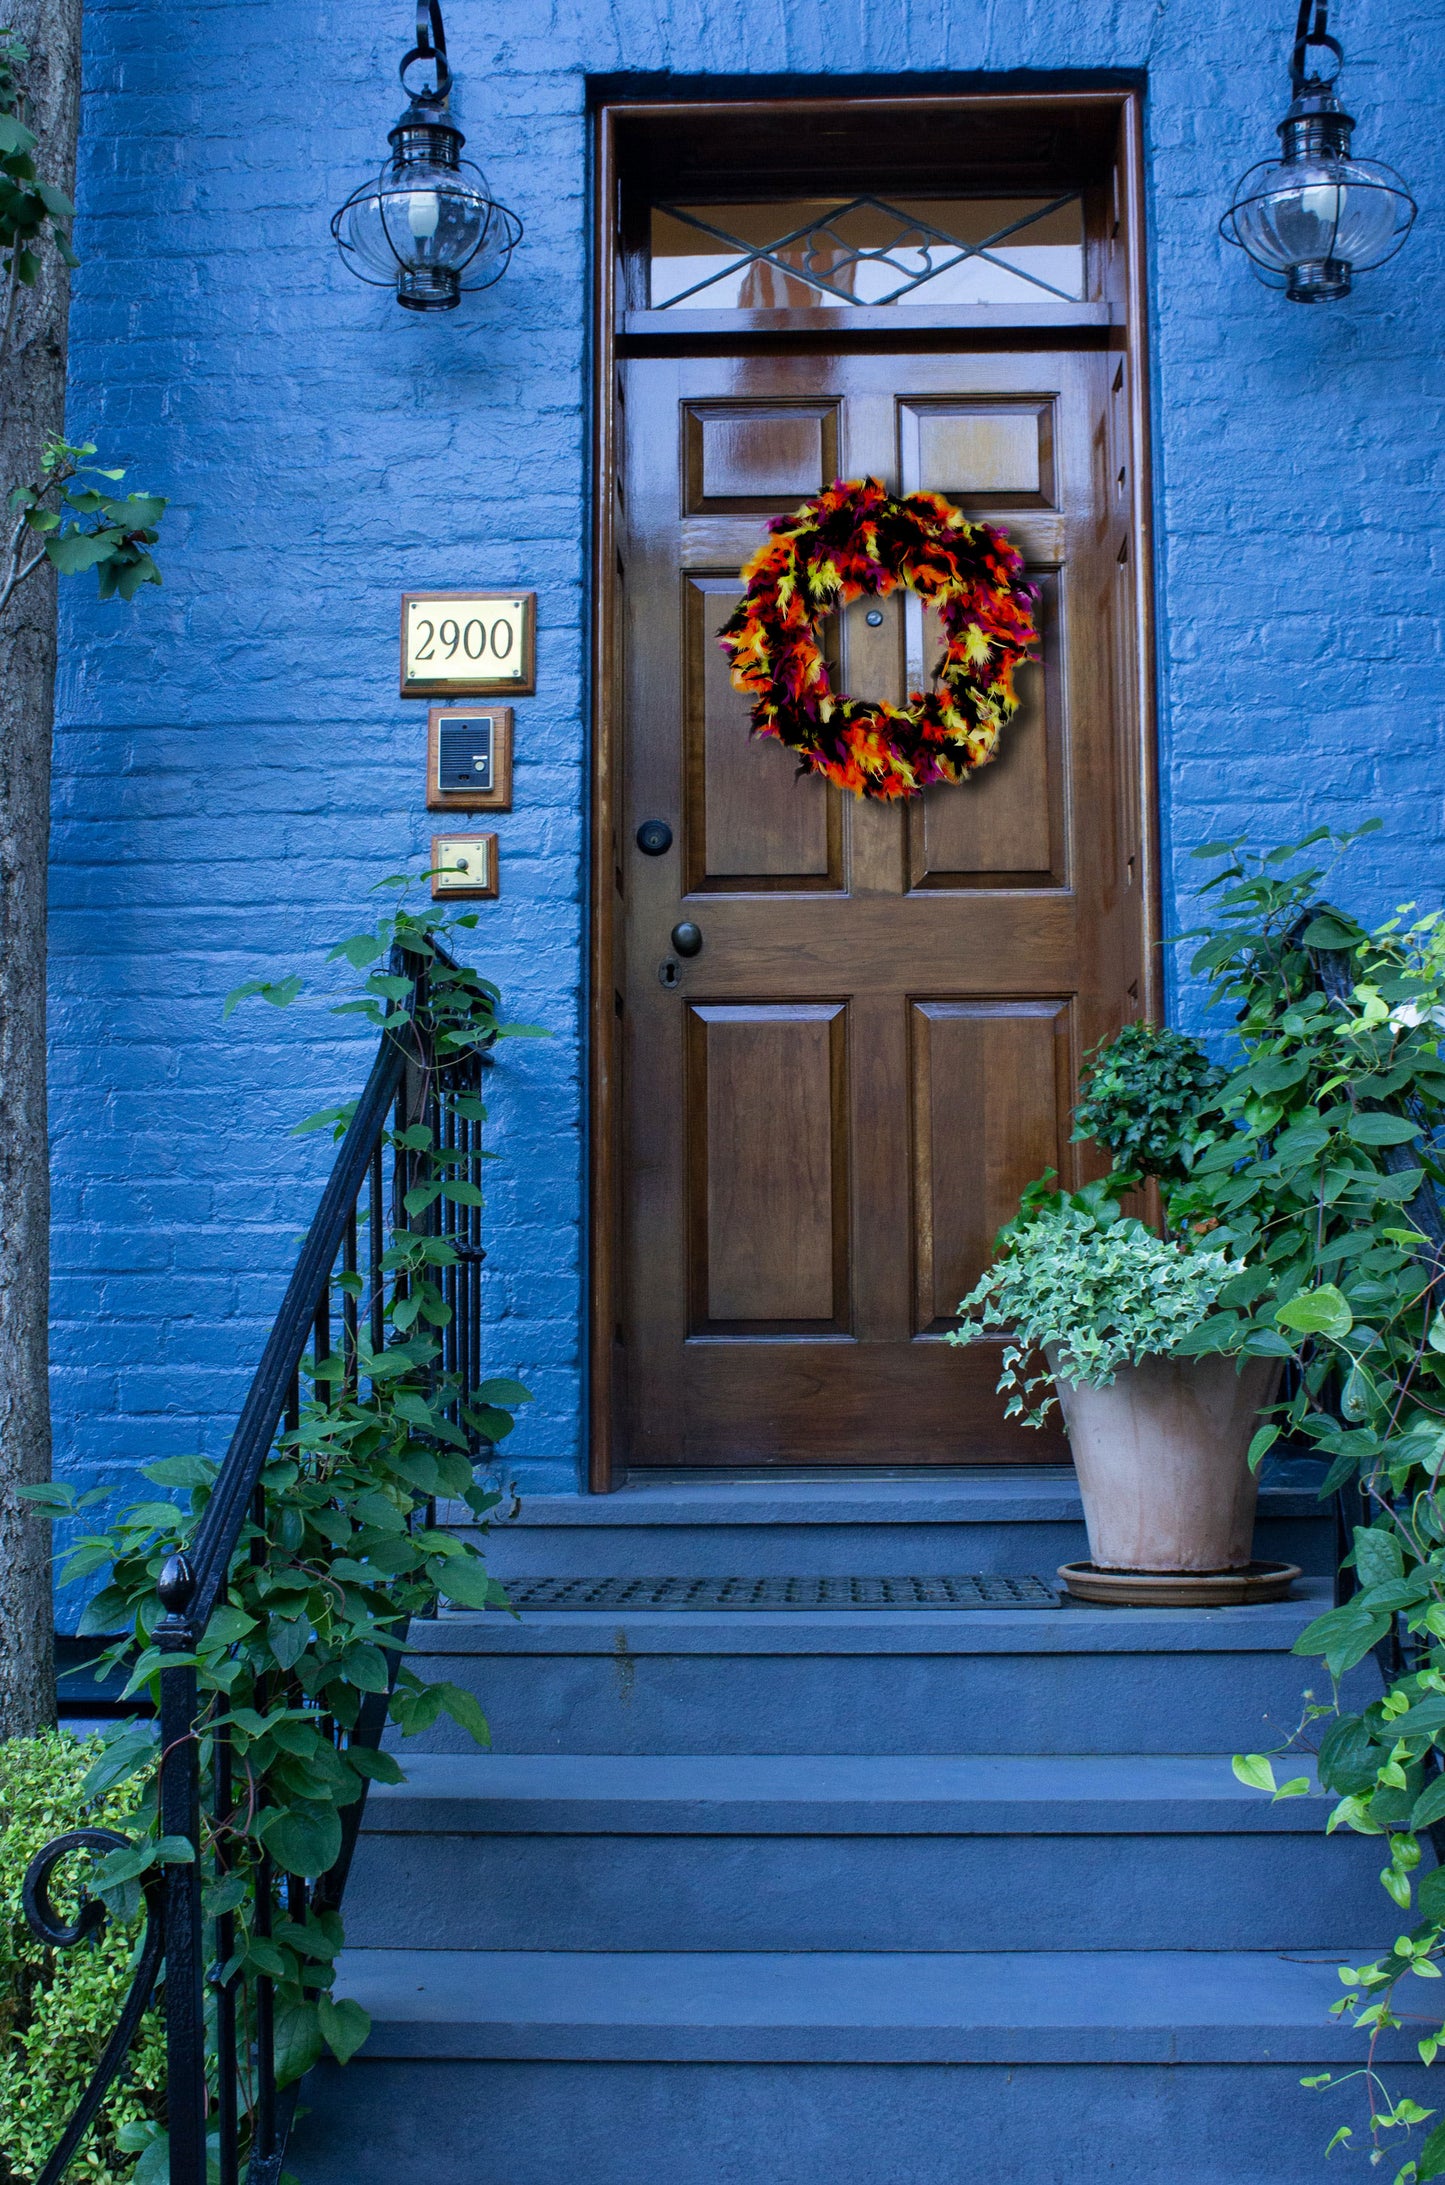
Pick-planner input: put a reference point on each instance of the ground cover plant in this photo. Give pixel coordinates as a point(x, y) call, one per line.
point(312, 1626)
point(57, 2008)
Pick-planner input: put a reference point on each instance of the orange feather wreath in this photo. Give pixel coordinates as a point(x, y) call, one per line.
point(854, 541)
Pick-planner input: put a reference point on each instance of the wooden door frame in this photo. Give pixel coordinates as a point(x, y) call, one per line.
point(1128, 333)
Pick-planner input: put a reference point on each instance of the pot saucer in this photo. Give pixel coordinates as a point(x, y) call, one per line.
point(1181, 1589)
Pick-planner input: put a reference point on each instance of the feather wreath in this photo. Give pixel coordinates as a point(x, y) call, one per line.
point(856, 540)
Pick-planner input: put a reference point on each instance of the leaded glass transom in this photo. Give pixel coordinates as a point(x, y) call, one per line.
point(834, 252)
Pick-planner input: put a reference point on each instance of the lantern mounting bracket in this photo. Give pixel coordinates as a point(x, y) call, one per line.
point(431, 45)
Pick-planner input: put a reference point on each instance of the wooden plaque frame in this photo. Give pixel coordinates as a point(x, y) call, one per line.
point(466, 894)
point(496, 799)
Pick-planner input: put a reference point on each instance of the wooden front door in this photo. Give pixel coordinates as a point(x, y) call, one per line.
point(827, 1111)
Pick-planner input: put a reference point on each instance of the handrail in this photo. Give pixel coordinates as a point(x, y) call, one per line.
point(404, 1086)
point(192, 1589)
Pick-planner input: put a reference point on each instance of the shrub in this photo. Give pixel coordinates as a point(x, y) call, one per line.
point(58, 2008)
point(1142, 1093)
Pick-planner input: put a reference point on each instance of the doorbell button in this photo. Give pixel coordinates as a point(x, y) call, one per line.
point(874, 618)
point(654, 837)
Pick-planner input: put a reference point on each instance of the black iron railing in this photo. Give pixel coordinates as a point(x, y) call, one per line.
point(221, 2055)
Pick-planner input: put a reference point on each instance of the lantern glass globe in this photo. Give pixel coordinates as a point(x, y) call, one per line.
point(1298, 212)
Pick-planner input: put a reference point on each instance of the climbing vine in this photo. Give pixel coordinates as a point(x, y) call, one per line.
point(342, 1553)
point(1316, 1161)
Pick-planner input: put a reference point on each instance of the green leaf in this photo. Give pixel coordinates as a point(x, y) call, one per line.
point(1343, 1636)
point(1331, 931)
point(1429, 1807)
point(359, 951)
point(1382, 1130)
point(464, 1711)
point(378, 1767)
point(1431, 1896)
point(344, 2026)
point(1430, 2162)
point(502, 1392)
point(1263, 1441)
point(465, 1581)
point(303, 1839)
point(1321, 1311)
point(74, 551)
point(1378, 1555)
point(280, 993)
point(288, 1637)
point(299, 2041)
point(1255, 1769)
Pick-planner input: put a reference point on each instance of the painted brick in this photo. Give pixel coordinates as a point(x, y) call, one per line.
point(323, 451)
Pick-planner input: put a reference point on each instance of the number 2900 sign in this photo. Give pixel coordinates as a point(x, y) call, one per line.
point(467, 643)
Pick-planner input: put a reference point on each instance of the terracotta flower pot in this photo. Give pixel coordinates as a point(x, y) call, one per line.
point(1162, 1459)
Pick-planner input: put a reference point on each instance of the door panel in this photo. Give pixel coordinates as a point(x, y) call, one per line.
point(744, 827)
point(768, 1166)
point(992, 1076)
point(831, 1108)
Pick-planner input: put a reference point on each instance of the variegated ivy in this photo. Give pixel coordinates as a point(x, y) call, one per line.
point(1090, 1283)
point(318, 1604)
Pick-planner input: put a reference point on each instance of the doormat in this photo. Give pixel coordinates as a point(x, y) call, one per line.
point(988, 1591)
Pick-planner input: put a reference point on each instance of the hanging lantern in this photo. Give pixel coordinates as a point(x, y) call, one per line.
point(428, 226)
point(1313, 218)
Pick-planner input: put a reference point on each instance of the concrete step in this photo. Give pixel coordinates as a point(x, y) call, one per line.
point(1075, 1852)
point(866, 1524)
point(723, 2069)
point(1070, 1680)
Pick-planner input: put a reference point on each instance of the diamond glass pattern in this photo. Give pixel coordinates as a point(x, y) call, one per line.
point(866, 251)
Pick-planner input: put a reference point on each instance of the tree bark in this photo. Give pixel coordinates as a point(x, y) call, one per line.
point(32, 404)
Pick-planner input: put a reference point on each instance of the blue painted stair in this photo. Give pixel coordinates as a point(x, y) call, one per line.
point(850, 1898)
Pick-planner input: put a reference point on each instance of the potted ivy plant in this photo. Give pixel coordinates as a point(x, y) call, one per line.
point(1112, 1321)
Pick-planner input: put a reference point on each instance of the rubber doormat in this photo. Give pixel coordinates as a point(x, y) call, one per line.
point(987, 1591)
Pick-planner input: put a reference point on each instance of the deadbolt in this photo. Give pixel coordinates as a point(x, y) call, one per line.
point(687, 938)
point(654, 837)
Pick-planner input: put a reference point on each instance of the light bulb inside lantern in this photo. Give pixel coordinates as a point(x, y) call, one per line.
point(423, 212)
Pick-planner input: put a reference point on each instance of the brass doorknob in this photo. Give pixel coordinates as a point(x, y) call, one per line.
point(687, 938)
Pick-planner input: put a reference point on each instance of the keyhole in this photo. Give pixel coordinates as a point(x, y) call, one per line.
point(669, 971)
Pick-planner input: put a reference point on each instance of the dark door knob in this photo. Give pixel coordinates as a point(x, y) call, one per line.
point(687, 938)
point(654, 837)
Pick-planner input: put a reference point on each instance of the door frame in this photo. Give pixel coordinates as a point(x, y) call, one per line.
point(615, 122)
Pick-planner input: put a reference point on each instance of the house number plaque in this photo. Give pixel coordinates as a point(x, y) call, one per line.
point(467, 644)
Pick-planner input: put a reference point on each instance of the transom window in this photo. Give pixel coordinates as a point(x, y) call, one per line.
point(807, 252)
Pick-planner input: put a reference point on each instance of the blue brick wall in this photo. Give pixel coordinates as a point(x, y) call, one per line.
point(234, 770)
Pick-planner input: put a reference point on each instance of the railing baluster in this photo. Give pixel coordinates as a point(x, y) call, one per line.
point(348, 1303)
point(376, 1246)
point(180, 1815)
point(227, 2068)
point(263, 2139)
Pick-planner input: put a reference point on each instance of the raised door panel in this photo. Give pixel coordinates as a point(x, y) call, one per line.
point(1004, 826)
point(997, 459)
point(750, 822)
point(991, 1091)
point(985, 454)
point(756, 455)
point(767, 1167)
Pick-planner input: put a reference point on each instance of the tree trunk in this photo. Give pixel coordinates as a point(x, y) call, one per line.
point(32, 404)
